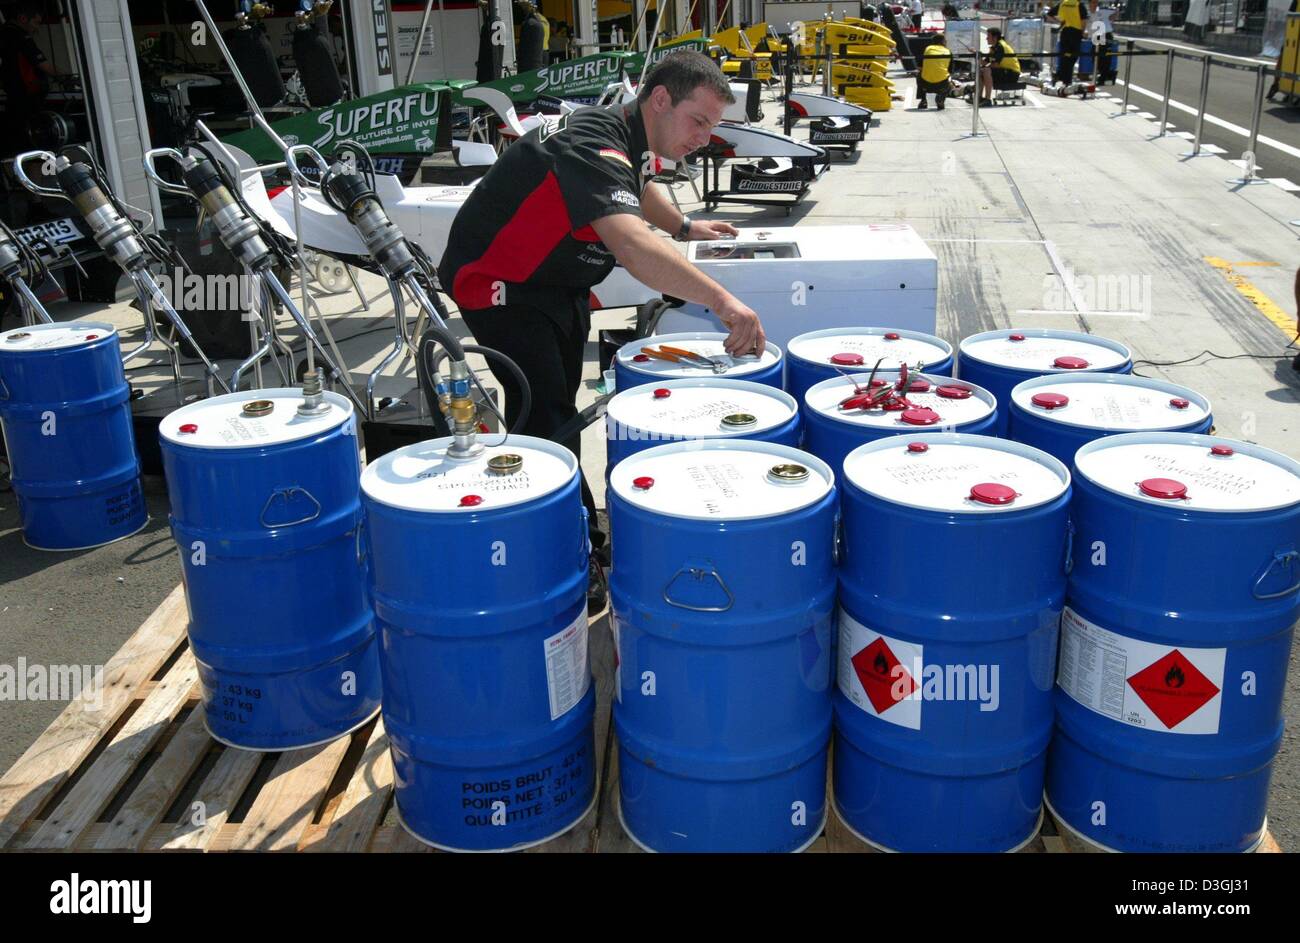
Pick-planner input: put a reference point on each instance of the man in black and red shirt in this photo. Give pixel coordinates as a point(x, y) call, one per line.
point(24, 72)
point(554, 213)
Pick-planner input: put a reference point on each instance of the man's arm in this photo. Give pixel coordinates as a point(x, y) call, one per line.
point(657, 265)
point(661, 214)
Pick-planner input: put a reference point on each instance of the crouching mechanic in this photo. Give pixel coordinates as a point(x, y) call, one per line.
point(1001, 70)
point(550, 218)
point(934, 73)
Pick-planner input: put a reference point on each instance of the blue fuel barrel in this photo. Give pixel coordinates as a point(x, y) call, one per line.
point(633, 368)
point(951, 584)
point(998, 360)
point(266, 513)
point(66, 415)
point(820, 355)
point(722, 590)
point(478, 575)
point(1060, 413)
point(1175, 641)
point(652, 414)
point(932, 404)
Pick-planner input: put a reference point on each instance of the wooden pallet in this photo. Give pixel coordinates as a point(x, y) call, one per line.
point(128, 775)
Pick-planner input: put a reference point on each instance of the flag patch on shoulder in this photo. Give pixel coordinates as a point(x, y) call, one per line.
point(617, 155)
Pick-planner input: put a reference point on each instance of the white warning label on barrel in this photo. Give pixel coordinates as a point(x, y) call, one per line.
point(873, 673)
point(1143, 684)
point(567, 676)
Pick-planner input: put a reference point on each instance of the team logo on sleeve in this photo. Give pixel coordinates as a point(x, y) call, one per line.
point(624, 197)
point(616, 155)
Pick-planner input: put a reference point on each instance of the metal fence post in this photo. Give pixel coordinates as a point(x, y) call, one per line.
point(1128, 70)
point(1169, 82)
point(975, 94)
point(1259, 107)
point(1200, 108)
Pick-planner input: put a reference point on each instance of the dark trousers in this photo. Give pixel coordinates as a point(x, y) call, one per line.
point(548, 349)
point(916, 20)
point(940, 90)
point(1071, 40)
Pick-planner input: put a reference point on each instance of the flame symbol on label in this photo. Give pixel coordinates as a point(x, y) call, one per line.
point(1175, 677)
point(880, 665)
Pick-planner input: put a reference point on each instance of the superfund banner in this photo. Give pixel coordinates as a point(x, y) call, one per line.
point(401, 121)
point(585, 77)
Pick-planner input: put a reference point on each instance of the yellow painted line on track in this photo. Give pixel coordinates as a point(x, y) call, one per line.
point(1262, 302)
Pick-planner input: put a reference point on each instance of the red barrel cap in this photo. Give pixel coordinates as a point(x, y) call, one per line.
point(876, 383)
point(1015, 337)
point(644, 482)
point(1050, 400)
point(891, 336)
point(661, 393)
point(847, 360)
point(954, 392)
point(990, 492)
point(1070, 363)
point(1221, 450)
point(1165, 488)
point(894, 405)
point(919, 386)
point(1179, 403)
point(471, 501)
point(641, 358)
point(92, 337)
point(917, 447)
point(188, 428)
point(920, 416)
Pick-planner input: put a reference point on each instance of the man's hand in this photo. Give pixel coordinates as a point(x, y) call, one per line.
point(713, 229)
point(746, 335)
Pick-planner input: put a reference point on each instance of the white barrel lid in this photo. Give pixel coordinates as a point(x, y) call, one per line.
point(1111, 401)
point(54, 336)
point(1038, 350)
point(956, 472)
point(1191, 472)
point(720, 480)
point(944, 399)
point(854, 348)
point(694, 408)
point(511, 470)
point(222, 422)
point(697, 342)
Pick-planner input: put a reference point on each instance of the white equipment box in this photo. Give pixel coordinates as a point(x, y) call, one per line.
point(807, 278)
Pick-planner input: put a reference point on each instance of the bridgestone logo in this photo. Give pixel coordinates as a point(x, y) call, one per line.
point(775, 186)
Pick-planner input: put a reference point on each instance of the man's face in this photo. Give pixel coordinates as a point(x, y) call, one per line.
point(30, 24)
point(677, 130)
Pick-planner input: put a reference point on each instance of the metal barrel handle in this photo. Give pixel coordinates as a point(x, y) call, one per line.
point(584, 541)
point(151, 171)
point(291, 161)
point(4, 393)
point(46, 158)
point(698, 574)
point(1281, 557)
point(287, 494)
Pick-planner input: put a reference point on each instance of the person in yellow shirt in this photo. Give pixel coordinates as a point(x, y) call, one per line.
point(1071, 15)
point(1001, 67)
point(933, 75)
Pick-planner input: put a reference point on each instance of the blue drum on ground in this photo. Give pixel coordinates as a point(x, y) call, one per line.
point(821, 355)
point(998, 360)
point(838, 418)
point(1061, 413)
point(1175, 642)
point(66, 415)
point(478, 570)
point(633, 367)
point(950, 588)
point(723, 590)
point(652, 414)
point(266, 514)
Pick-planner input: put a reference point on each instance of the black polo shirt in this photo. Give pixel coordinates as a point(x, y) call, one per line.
point(524, 236)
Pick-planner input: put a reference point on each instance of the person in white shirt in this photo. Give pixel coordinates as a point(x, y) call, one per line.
point(1103, 71)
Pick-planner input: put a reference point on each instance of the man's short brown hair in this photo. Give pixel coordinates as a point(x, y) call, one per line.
point(682, 73)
